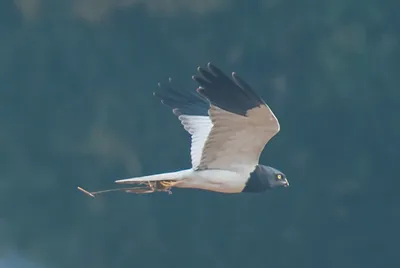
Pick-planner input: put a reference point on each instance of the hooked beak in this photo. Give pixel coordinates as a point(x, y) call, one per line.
point(286, 183)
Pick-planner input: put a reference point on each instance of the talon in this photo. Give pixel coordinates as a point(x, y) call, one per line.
point(164, 184)
point(168, 184)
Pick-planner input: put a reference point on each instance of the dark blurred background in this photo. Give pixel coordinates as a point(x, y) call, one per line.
point(76, 108)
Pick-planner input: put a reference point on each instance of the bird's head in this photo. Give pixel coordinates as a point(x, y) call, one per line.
point(275, 177)
point(264, 178)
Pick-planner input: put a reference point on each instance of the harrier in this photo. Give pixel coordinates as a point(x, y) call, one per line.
point(229, 126)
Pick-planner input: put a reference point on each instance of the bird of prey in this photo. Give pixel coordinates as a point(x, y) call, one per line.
point(229, 126)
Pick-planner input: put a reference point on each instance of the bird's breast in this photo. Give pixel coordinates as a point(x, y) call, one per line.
point(216, 180)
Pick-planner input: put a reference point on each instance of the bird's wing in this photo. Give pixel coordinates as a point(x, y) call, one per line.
point(192, 110)
point(242, 123)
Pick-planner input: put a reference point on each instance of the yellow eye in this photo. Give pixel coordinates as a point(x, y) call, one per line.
point(279, 176)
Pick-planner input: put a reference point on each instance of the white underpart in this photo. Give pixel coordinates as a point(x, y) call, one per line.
point(178, 175)
point(223, 181)
point(212, 180)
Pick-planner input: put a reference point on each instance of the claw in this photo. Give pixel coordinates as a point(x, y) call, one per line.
point(168, 184)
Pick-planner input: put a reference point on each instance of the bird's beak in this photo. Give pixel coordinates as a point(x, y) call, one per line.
point(286, 183)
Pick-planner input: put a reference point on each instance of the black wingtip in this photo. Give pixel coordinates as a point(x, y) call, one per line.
point(176, 112)
point(233, 95)
point(213, 68)
point(181, 101)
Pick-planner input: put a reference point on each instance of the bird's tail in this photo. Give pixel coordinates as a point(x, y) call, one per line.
point(147, 184)
point(171, 176)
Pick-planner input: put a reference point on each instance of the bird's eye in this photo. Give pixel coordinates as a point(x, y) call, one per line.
point(279, 176)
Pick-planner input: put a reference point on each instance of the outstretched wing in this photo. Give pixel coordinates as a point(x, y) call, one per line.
point(242, 124)
point(192, 111)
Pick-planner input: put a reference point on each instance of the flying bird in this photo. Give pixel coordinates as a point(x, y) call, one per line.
point(229, 125)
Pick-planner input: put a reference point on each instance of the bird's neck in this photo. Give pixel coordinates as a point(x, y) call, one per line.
point(256, 182)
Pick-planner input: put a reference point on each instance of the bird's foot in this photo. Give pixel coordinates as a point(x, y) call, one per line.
point(152, 186)
point(167, 184)
point(164, 186)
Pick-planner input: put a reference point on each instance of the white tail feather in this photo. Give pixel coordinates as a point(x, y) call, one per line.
point(175, 176)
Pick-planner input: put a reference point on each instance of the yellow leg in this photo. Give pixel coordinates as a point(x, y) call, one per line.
point(167, 184)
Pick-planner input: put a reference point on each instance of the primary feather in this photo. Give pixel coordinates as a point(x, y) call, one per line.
point(192, 110)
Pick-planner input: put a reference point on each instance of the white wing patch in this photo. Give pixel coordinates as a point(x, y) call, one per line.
point(235, 142)
point(199, 128)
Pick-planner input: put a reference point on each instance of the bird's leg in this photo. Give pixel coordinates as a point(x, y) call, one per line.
point(166, 185)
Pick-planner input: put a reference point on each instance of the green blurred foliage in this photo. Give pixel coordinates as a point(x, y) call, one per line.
point(77, 109)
